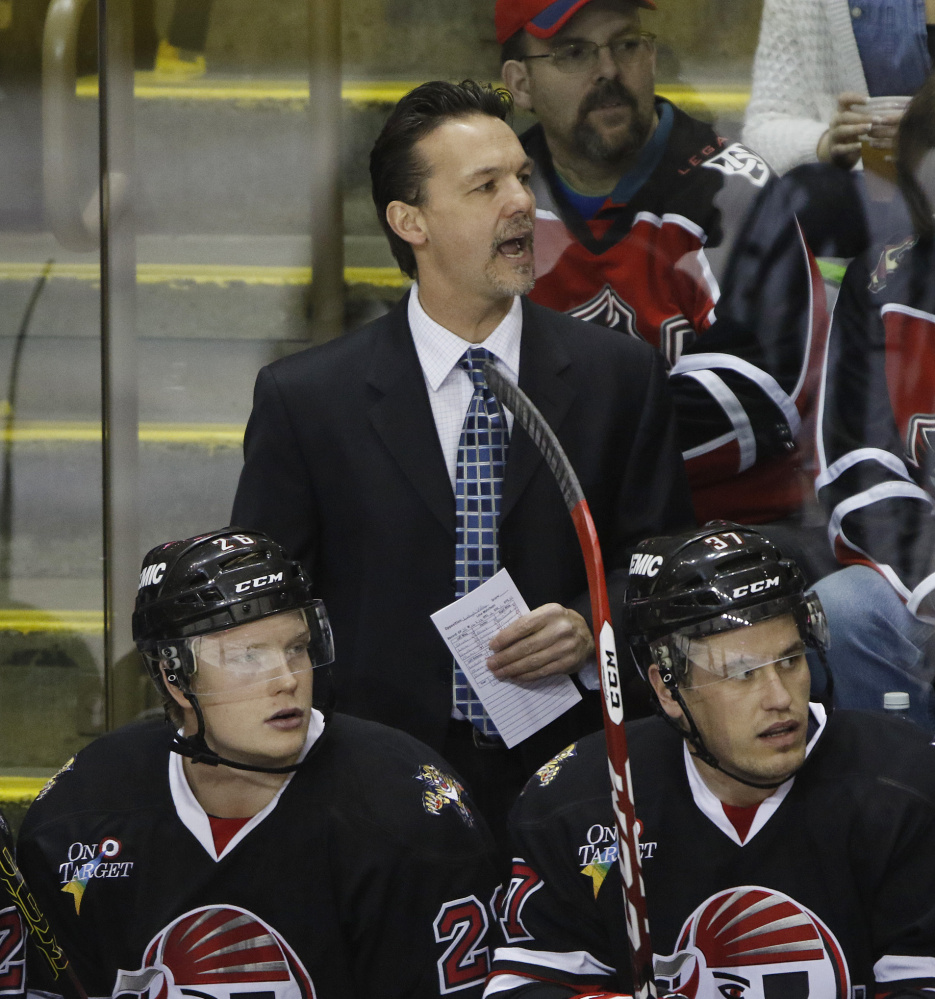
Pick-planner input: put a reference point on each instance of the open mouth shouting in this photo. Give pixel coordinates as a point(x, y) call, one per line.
point(515, 241)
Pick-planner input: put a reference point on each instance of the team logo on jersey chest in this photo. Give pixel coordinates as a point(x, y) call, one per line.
point(546, 774)
point(217, 952)
point(607, 308)
point(751, 941)
point(442, 791)
point(92, 861)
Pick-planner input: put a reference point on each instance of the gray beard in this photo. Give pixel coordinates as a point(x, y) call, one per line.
point(598, 150)
point(517, 284)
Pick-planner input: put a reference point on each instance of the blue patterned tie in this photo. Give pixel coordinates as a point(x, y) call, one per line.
point(478, 488)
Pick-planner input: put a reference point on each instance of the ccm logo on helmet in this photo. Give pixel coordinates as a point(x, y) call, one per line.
point(758, 587)
point(645, 565)
point(258, 583)
point(152, 574)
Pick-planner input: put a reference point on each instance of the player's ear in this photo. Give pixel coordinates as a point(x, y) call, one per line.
point(515, 78)
point(407, 222)
point(664, 695)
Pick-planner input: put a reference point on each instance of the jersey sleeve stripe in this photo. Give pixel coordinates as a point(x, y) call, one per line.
point(811, 267)
point(711, 445)
point(881, 491)
point(847, 461)
point(764, 381)
point(734, 411)
point(499, 982)
point(922, 590)
point(920, 971)
point(578, 963)
point(907, 310)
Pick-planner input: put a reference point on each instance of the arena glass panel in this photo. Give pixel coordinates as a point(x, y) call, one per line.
point(224, 217)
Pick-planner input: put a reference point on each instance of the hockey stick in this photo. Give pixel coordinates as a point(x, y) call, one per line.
point(18, 891)
point(618, 757)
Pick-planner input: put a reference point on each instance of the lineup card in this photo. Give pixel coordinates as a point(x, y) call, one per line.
point(518, 708)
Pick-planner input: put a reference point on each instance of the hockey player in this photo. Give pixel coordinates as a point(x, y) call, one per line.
point(785, 853)
point(259, 848)
point(640, 226)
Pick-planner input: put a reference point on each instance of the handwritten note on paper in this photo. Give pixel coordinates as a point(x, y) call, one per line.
point(518, 708)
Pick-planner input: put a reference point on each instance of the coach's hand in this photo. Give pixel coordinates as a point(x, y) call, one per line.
point(551, 639)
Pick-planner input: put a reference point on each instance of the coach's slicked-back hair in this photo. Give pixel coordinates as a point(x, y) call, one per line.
point(397, 172)
point(915, 141)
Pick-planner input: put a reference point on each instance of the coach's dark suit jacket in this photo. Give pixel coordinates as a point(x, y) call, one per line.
point(344, 468)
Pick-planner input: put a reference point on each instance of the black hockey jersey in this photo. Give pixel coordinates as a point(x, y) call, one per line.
point(830, 894)
point(368, 875)
point(877, 446)
point(699, 253)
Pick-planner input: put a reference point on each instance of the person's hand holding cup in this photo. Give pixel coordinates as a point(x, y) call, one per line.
point(877, 147)
point(840, 144)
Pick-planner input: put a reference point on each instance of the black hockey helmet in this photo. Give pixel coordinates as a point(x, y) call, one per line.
point(211, 583)
point(717, 578)
point(216, 581)
point(722, 577)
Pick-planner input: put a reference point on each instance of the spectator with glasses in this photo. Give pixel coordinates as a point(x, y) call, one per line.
point(644, 224)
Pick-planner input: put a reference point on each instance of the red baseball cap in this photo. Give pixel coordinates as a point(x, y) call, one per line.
point(542, 18)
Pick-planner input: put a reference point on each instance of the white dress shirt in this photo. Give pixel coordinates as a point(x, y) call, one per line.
point(450, 388)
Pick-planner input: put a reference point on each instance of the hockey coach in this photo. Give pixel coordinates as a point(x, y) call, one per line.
point(259, 846)
point(383, 462)
point(786, 853)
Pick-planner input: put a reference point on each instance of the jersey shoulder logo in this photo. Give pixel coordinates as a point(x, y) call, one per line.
point(757, 942)
point(738, 161)
point(888, 263)
point(217, 952)
point(607, 308)
point(547, 773)
point(50, 783)
point(441, 791)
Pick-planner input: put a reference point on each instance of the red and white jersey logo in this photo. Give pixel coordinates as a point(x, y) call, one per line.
point(754, 943)
point(217, 952)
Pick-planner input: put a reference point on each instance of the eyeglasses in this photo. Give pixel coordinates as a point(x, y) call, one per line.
point(580, 55)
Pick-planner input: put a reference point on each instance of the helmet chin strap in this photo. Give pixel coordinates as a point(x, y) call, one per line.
point(196, 748)
point(700, 751)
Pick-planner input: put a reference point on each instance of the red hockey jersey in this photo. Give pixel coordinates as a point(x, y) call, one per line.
point(698, 252)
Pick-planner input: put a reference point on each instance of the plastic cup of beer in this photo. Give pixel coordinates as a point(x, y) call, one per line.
point(877, 147)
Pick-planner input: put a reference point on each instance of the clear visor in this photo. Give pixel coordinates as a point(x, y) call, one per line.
point(244, 662)
point(736, 646)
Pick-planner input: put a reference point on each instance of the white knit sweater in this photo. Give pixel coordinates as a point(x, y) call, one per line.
point(806, 56)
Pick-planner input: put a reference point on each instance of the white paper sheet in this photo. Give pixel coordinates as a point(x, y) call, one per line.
point(518, 708)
